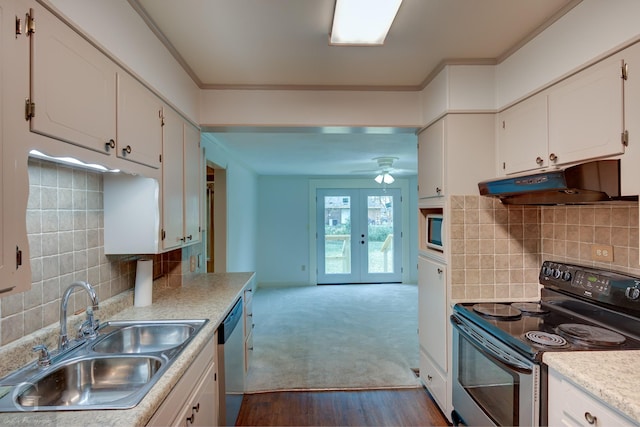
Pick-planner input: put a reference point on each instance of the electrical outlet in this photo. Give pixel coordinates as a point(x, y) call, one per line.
point(602, 253)
point(192, 263)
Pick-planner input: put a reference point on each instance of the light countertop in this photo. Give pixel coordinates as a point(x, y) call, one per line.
point(611, 376)
point(207, 296)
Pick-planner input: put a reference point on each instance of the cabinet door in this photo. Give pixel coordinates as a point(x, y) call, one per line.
point(172, 171)
point(569, 405)
point(201, 409)
point(73, 86)
point(432, 310)
point(431, 161)
point(139, 137)
point(586, 117)
point(522, 136)
point(15, 272)
point(192, 178)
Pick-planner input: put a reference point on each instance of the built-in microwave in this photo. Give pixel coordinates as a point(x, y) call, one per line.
point(434, 228)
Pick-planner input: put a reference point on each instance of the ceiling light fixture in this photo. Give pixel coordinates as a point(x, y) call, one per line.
point(362, 22)
point(384, 177)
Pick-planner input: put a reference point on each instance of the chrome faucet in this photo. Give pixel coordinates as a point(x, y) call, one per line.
point(63, 341)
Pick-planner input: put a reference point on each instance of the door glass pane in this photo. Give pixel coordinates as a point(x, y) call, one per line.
point(337, 234)
point(493, 387)
point(380, 232)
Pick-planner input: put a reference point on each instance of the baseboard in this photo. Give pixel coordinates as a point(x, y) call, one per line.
point(282, 285)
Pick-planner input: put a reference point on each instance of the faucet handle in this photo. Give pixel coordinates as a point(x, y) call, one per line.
point(44, 358)
point(89, 328)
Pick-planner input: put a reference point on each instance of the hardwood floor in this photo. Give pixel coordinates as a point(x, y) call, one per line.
point(407, 407)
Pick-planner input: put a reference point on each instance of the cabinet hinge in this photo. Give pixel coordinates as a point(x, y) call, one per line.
point(625, 71)
point(18, 26)
point(625, 138)
point(160, 157)
point(30, 23)
point(504, 165)
point(18, 257)
point(164, 234)
point(29, 109)
point(161, 117)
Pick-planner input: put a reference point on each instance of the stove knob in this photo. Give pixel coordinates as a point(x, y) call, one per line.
point(557, 273)
point(566, 276)
point(632, 293)
point(547, 271)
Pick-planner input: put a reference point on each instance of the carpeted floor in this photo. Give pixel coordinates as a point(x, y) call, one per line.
point(339, 337)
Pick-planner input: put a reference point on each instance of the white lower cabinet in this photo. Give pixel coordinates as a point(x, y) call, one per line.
point(194, 399)
point(570, 405)
point(433, 329)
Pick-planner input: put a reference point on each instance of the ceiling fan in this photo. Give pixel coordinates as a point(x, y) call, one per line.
point(384, 169)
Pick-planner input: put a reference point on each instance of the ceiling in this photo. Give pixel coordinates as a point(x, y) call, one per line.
point(283, 44)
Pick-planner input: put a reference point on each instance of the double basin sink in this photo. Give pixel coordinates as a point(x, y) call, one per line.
point(114, 371)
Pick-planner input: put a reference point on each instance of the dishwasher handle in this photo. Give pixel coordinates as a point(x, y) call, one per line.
point(230, 322)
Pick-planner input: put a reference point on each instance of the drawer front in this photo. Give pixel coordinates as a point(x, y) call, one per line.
point(434, 380)
point(248, 352)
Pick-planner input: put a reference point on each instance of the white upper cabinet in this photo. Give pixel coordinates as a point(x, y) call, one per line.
point(73, 86)
point(139, 119)
point(193, 174)
point(577, 119)
point(181, 173)
point(431, 161)
point(454, 154)
point(80, 96)
point(15, 270)
point(172, 171)
point(522, 136)
point(586, 114)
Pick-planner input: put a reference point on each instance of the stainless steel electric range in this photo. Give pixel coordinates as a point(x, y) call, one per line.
point(498, 375)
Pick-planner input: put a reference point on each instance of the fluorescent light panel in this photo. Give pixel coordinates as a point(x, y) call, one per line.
point(363, 22)
point(71, 161)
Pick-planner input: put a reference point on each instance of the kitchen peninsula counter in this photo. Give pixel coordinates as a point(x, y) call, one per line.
point(611, 376)
point(207, 296)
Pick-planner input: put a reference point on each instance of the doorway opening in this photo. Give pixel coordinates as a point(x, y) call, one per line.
point(216, 179)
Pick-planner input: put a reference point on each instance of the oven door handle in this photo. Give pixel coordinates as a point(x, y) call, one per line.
point(489, 349)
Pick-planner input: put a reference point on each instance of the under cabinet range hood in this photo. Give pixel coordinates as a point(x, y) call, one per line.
point(590, 182)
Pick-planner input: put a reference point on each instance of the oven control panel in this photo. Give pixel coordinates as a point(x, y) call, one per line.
point(607, 286)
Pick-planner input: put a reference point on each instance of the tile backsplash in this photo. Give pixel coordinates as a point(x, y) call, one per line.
point(497, 250)
point(65, 227)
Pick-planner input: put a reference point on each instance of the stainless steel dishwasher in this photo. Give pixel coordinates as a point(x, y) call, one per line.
point(231, 365)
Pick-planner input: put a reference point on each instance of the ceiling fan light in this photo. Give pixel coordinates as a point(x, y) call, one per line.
point(362, 22)
point(379, 179)
point(387, 178)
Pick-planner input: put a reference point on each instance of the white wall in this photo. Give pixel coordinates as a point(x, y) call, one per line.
point(242, 207)
point(284, 230)
point(309, 108)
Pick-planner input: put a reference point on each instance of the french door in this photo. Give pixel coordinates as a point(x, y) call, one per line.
point(359, 235)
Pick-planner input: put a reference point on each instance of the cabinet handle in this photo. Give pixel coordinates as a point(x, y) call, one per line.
point(440, 271)
point(196, 408)
point(189, 237)
point(553, 157)
point(192, 418)
point(438, 190)
point(429, 378)
point(109, 145)
point(539, 160)
point(591, 419)
point(126, 150)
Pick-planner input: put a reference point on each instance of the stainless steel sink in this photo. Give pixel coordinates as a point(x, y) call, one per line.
point(145, 338)
point(89, 382)
point(113, 371)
